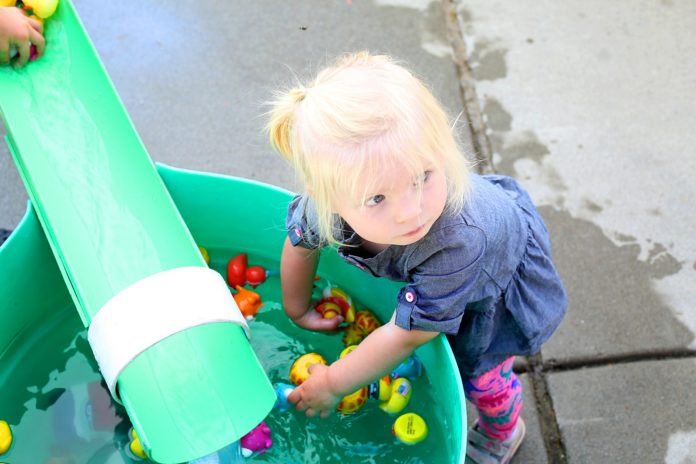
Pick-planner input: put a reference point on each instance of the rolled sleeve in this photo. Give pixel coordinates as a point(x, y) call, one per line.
point(301, 223)
point(442, 285)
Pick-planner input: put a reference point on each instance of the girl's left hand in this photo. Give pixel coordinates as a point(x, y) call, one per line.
point(315, 394)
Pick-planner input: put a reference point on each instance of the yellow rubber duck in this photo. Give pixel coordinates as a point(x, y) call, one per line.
point(5, 437)
point(299, 371)
point(351, 403)
point(204, 253)
point(135, 447)
point(42, 8)
point(399, 396)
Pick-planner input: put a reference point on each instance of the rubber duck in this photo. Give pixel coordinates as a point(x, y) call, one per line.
point(239, 272)
point(299, 371)
point(249, 302)
point(335, 299)
point(353, 335)
point(351, 403)
point(5, 437)
point(398, 396)
point(135, 448)
point(283, 390)
point(41, 8)
point(204, 253)
point(411, 367)
point(256, 442)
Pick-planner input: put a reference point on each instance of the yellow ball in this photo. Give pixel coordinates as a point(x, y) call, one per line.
point(410, 428)
point(5, 437)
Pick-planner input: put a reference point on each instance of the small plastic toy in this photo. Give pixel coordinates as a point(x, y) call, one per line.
point(239, 272)
point(249, 302)
point(283, 390)
point(397, 396)
point(410, 428)
point(204, 253)
point(41, 8)
point(351, 403)
point(335, 302)
point(364, 324)
point(5, 437)
point(135, 448)
point(299, 371)
point(411, 367)
point(256, 442)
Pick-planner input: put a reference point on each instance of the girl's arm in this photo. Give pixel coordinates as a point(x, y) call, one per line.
point(374, 358)
point(297, 269)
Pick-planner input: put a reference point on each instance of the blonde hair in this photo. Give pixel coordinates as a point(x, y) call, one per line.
point(357, 118)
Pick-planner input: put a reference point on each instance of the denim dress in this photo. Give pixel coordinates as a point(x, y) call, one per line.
point(483, 276)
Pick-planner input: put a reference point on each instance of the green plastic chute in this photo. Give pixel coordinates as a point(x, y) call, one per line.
point(170, 351)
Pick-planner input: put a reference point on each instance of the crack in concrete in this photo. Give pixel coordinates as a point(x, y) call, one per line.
point(483, 156)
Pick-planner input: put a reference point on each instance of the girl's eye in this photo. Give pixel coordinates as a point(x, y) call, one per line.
point(423, 178)
point(374, 201)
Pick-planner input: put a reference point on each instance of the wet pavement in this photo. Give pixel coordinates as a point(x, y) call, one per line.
point(589, 104)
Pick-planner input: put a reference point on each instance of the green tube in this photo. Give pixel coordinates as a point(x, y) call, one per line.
point(110, 224)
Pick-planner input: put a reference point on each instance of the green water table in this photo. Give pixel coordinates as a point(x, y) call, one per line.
point(169, 339)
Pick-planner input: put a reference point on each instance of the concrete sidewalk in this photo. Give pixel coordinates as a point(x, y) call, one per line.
point(588, 104)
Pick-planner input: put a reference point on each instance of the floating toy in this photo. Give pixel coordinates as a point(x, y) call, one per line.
point(347, 350)
point(410, 428)
point(351, 403)
point(256, 442)
point(135, 448)
point(41, 8)
point(239, 272)
point(411, 367)
point(299, 371)
point(204, 253)
point(364, 324)
point(249, 302)
point(397, 396)
point(353, 335)
point(336, 302)
point(283, 390)
point(5, 437)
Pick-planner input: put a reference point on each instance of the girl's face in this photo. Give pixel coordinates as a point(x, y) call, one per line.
point(400, 210)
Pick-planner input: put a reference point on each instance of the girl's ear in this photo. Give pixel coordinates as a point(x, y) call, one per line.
point(310, 191)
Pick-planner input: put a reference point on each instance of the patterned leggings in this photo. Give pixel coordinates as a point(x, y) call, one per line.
point(497, 396)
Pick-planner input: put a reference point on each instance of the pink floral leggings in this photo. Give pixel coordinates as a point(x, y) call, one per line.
point(497, 396)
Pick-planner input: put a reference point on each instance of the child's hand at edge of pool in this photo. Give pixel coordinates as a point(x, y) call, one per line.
point(20, 31)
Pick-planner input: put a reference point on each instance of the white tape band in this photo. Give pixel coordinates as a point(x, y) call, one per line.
point(154, 308)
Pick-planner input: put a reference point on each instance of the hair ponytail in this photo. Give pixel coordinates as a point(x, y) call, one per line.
point(280, 124)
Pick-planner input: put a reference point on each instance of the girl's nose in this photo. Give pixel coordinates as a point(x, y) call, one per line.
point(409, 206)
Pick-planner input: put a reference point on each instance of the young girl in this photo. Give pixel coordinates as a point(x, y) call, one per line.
point(387, 186)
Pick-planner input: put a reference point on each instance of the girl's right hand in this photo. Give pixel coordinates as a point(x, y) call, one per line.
point(20, 32)
point(313, 320)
